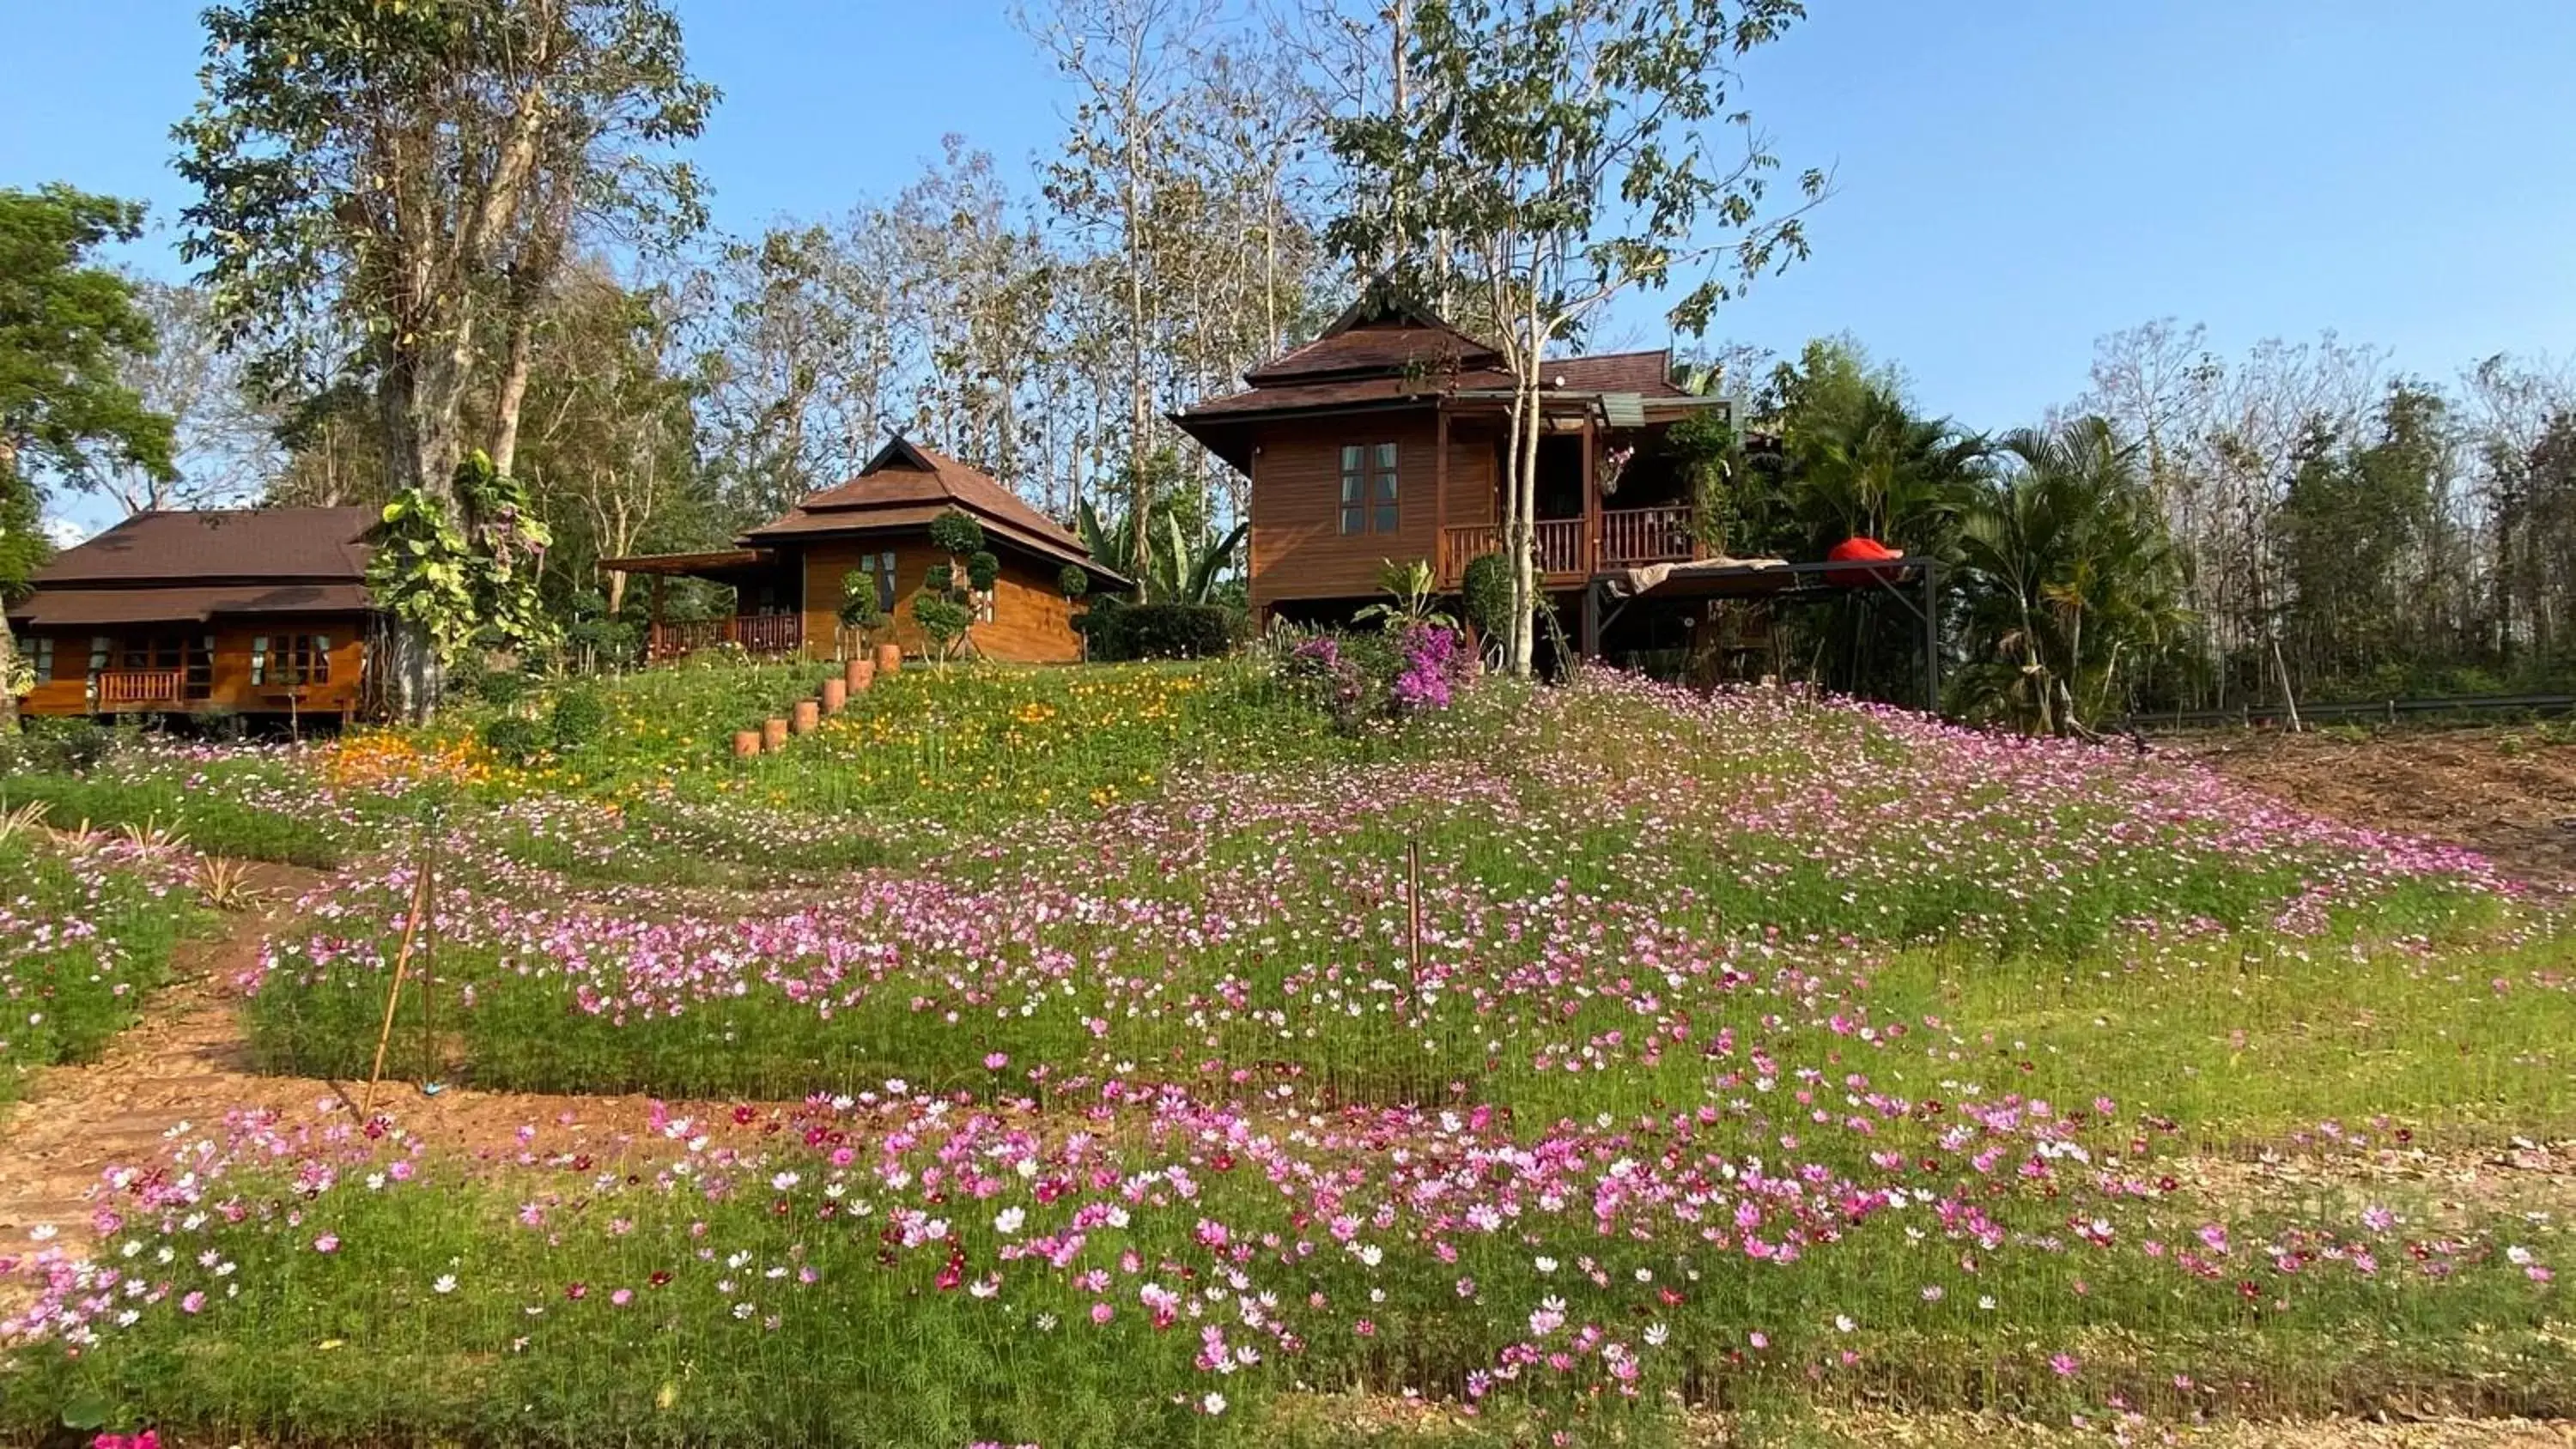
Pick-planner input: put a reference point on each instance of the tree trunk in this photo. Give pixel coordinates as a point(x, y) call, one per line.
point(412, 673)
point(8, 641)
point(513, 391)
point(8, 671)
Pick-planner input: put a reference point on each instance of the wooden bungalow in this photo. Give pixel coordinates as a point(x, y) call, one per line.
point(1382, 440)
point(250, 611)
point(787, 574)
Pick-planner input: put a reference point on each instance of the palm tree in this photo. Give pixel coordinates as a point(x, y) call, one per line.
point(2069, 569)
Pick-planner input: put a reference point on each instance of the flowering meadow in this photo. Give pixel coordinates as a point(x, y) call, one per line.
point(1148, 1056)
point(88, 921)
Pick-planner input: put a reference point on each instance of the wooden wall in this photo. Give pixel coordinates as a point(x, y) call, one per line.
point(1032, 620)
point(1298, 550)
point(67, 693)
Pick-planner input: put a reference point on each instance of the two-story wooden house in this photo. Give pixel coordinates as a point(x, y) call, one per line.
point(1383, 440)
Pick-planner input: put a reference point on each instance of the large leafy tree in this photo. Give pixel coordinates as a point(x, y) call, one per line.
point(2070, 582)
point(67, 325)
point(1559, 154)
point(389, 188)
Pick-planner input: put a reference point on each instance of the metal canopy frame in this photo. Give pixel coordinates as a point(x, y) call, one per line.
point(1806, 584)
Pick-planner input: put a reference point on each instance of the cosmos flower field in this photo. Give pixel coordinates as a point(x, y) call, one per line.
point(1124, 1057)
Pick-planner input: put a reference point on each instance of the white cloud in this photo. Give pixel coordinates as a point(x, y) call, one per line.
point(66, 532)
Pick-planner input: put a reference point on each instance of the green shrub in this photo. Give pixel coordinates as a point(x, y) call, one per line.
point(1485, 593)
point(1073, 581)
point(72, 744)
point(577, 718)
point(983, 569)
point(513, 737)
point(1159, 631)
point(956, 533)
point(501, 688)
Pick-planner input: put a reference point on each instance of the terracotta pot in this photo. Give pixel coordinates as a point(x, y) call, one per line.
point(836, 693)
point(773, 734)
point(808, 715)
point(889, 659)
point(858, 674)
point(746, 742)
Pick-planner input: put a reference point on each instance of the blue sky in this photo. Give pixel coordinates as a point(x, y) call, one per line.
point(2014, 178)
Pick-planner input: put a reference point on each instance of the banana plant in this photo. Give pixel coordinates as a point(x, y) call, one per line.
point(1176, 569)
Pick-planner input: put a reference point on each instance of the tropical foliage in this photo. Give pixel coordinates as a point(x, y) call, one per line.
point(2068, 576)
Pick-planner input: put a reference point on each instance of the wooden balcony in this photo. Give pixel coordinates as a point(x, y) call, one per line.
point(1628, 538)
point(141, 689)
point(769, 635)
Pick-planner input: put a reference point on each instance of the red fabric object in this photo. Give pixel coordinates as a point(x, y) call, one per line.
point(1859, 550)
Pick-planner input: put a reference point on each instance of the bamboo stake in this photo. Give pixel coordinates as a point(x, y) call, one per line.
point(1413, 910)
point(393, 999)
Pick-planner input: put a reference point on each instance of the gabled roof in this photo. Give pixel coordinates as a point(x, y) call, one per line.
point(205, 546)
point(906, 486)
point(1384, 352)
point(1379, 335)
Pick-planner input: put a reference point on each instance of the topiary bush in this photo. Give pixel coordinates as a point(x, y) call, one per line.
point(514, 738)
point(577, 718)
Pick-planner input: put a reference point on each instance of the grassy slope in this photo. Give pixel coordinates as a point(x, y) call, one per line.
point(1146, 930)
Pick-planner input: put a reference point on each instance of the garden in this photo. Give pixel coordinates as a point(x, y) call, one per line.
point(1316, 1046)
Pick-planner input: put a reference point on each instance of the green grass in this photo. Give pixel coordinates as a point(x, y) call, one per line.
point(213, 822)
point(1991, 1038)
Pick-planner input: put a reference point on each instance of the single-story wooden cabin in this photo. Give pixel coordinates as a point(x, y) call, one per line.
point(787, 574)
point(250, 611)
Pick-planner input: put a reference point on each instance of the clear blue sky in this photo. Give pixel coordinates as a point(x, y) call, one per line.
point(2015, 177)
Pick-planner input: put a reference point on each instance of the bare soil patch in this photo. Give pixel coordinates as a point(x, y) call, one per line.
point(2506, 793)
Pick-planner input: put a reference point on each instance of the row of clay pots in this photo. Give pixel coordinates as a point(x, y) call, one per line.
point(858, 676)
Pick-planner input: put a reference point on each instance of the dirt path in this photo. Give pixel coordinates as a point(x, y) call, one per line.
point(186, 1064)
point(2506, 793)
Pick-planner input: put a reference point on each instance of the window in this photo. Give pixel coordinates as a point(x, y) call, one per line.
point(289, 660)
point(1369, 488)
point(880, 566)
point(201, 667)
point(307, 660)
point(44, 658)
point(167, 652)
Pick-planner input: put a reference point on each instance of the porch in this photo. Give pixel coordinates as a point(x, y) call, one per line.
point(1573, 550)
point(763, 618)
point(761, 634)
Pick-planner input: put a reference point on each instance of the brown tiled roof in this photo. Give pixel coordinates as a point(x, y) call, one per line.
point(906, 486)
point(1341, 392)
point(317, 545)
point(1378, 348)
point(98, 607)
point(1645, 373)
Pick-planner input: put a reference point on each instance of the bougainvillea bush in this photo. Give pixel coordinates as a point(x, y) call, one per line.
point(1558, 1064)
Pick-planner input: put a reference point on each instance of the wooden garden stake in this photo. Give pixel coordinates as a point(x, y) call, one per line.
point(402, 961)
point(1413, 906)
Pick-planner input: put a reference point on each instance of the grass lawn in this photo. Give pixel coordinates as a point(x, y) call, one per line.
point(1131, 1056)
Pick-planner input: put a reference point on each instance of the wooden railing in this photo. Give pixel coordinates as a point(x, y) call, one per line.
point(1634, 536)
point(756, 633)
point(1629, 537)
point(122, 688)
